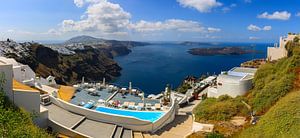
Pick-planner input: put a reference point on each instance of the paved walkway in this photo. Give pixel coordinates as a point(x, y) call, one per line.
point(180, 127)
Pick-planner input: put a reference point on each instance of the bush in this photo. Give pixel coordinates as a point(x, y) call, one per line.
point(184, 87)
point(282, 120)
point(214, 135)
point(15, 122)
point(220, 109)
point(273, 81)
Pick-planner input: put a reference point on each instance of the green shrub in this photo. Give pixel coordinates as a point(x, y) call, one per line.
point(282, 120)
point(274, 80)
point(214, 135)
point(184, 87)
point(220, 109)
point(15, 122)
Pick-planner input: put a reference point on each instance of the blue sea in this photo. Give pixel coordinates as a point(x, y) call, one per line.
point(151, 67)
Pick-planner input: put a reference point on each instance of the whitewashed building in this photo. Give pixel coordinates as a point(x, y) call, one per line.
point(235, 82)
point(278, 52)
point(16, 76)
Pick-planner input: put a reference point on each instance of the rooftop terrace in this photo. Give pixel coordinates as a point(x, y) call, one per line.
point(20, 86)
point(66, 93)
point(82, 125)
point(244, 70)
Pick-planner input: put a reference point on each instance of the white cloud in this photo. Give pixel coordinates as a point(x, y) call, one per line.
point(226, 9)
point(283, 15)
point(248, 1)
point(267, 28)
point(233, 5)
point(253, 38)
point(79, 3)
point(171, 24)
point(206, 36)
point(101, 16)
point(253, 27)
point(298, 14)
point(10, 31)
point(213, 30)
point(200, 5)
point(107, 19)
point(52, 32)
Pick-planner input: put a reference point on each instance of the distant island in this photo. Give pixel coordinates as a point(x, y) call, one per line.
point(189, 43)
point(220, 51)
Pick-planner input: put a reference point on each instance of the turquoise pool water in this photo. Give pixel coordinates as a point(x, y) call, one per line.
point(148, 116)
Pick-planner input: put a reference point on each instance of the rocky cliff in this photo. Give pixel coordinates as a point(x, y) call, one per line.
point(93, 64)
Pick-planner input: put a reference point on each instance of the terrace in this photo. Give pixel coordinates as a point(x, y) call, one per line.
point(120, 98)
point(79, 126)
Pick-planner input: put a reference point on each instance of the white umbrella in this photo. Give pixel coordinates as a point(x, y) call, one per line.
point(101, 101)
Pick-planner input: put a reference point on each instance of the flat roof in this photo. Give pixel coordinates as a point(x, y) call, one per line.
point(95, 129)
point(235, 78)
point(87, 127)
point(63, 116)
point(231, 77)
point(20, 86)
point(244, 70)
point(9, 61)
point(66, 92)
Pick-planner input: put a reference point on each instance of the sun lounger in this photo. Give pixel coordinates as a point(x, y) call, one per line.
point(131, 105)
point(125, 104)
point(140, 106)
point(157, 106)
point(89, 105)
point(148, 106)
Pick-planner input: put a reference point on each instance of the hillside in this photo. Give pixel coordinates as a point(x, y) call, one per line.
point(91, 63)
point(16, 123)
point(84, 39)
point(282, 120)
point(114, 47)
point(273, 99)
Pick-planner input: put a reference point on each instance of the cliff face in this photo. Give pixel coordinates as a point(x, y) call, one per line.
point(93, 64)
point(68, 62)
point(114, 47)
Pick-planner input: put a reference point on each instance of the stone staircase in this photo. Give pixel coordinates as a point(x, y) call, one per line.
point(176, 129)
point(121, 132)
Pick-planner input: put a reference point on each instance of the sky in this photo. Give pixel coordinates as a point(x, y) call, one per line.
point(150, 20)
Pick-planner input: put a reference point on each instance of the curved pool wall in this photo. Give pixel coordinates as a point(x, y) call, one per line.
point(124, 121)
point(151, 116)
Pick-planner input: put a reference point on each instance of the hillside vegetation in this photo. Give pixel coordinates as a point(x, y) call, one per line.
point(272, 82)
point(220, 109)
point(17, 123)
point(282, 120)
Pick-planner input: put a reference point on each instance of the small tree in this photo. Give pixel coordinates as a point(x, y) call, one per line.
point(296, 39)
point(2, 96)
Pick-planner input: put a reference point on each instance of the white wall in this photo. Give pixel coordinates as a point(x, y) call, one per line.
point(42, 118)
point(127, 122)
point(276, 53)
point(7, 70)
point(17, 73)
point(30, 101)
point(26, 74)
point(231, 88)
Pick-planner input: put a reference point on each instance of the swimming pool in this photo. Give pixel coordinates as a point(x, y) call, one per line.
point(142, 115)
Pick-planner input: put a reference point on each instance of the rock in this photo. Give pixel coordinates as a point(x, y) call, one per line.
point(91, 63)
